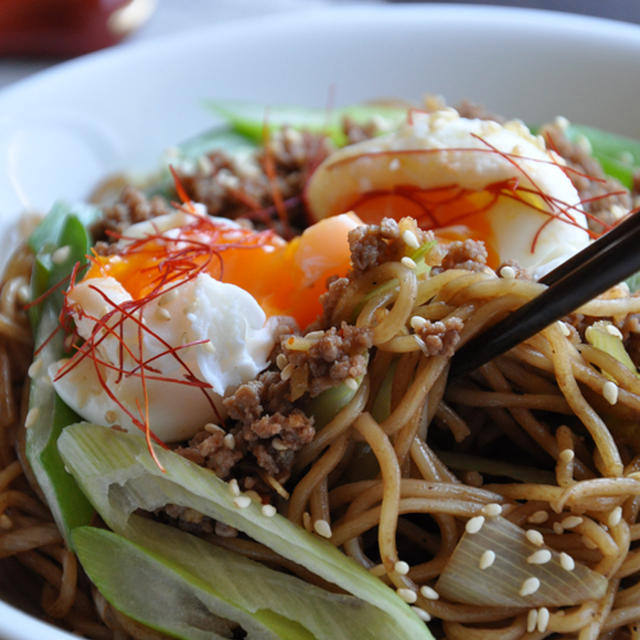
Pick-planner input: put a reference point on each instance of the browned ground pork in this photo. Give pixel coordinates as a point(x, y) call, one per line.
point(465, 254)
point(133, 206)
point(440, 338)
point(333, 356)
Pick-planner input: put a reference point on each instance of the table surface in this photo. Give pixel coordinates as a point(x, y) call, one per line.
point(170, 17)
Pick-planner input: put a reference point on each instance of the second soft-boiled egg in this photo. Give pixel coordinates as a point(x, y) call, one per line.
point(184, 309)
point(464, 178)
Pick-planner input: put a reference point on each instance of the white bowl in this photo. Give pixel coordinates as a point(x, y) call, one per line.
point(61, 130)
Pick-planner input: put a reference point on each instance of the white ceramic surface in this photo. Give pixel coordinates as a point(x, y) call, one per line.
point(62, 130)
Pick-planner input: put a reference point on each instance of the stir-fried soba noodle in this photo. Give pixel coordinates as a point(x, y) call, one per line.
point(419, 479)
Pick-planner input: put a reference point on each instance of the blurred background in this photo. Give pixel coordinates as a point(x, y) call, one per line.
point(35, 34)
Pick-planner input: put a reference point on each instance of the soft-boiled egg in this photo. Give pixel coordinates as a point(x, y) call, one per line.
point(465, 178)
point(185, 309)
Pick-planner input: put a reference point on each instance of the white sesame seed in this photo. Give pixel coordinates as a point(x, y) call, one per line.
point(351, 383)
point(61, 255)
point(322, 528)
point(561, 122)
point(242, 502)
point(314, 335)
point(32, 417)
point(542, 556)
point(408, 595)
point(35, 367)
point(534, 537)
point(564, 328)
point(409, 263)
point(566, 455)
point(306, 520)
point(428, 592)
point(401, 567)
point(212, 428)
point(205, 165)
point(164, 313)
point(567, 562)
point(421, 343)
point(417, 322)
point(529, 586)
point(571, 521)
point(626, 157)
point(583, 143)
point(410, 239)
point(487, 559)
point(234, 487)
point(538, 517)
point(543, 619)
point(394, 165)
point(532, 620)
point(615, 516)
point(268, 510)
point(610, 392)
point(474, 524)
point(507, 272)
point(285, 374)
point(558, 528)
point(110, 416)
point(24, 294)
point(589, 543)
point(229, 441)
point(281, 361)
point(492, 510)
point(422, 614)
point(612, 330)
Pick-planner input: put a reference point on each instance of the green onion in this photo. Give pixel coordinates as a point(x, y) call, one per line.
point(605, 337)
point(156, 566)
point(496, 566)
point(618, 155)
point(60, 241)
point(250, 119)
point(117, 473)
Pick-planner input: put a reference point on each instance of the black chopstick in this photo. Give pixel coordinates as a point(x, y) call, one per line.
point(589, 273)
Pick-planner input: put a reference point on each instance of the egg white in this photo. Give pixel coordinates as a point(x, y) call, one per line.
point(234, 338)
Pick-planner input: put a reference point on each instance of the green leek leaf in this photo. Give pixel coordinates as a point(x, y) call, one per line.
point(265, 602)
point(249, 119)
point(116, 471)
point(62, 231)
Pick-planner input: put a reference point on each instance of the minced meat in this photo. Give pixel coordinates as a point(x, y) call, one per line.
point(440, 338)
point(132, 207)
point(334, 355)
point(209, 449)
point(465, 254)
point(370, 244)
point(275, 439)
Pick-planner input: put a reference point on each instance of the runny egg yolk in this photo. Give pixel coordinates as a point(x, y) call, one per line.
point(285, 278)
point(451, 212)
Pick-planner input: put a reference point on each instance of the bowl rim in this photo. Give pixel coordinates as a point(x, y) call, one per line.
point(15, 624)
